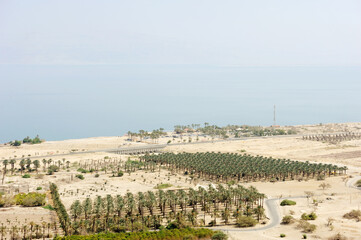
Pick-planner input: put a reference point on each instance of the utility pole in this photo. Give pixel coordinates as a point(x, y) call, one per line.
point(274, 115)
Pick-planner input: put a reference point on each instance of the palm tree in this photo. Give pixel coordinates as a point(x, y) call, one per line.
point(76, 209)
point(87, 208)
point(5, 162)
point(12, 162)
point(28, 164)
point(44, 163)
point(119, 205)
point(36, 164)
point(150, 202)
point(109, 206)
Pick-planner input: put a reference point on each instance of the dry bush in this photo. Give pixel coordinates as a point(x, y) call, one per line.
point(288, 219)
point(39, 176)
point(306, 226)
point(338, 236)
point(354, 214)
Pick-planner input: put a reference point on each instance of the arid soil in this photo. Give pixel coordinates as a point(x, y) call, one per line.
point(331, 202)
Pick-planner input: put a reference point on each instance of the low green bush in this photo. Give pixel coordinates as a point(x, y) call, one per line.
point(311, 216)
point(52, 169)
point(80, 176)
point(163, 186)
point(219, 236)
point(82, 170)
point(32, 199)
point(287, 202)
point(164, 234)
point(358, 183)
point(282, 235)
point(26, 176)
point(49, 207)
point(244, 221)
point(39, 188)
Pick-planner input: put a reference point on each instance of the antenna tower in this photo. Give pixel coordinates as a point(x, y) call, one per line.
point(274, 115)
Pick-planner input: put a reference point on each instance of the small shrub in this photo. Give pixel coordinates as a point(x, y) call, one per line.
point(26, 176)
point(163, 186)
point(39, 188)
point(304, 236)
point(82, 170)
point(338, 236)
point(219, 236)
point(288, 219)
point(52, 169)
point(120, 174)
point(306, 226)
point(39, 176)
point(232, 182)
point(244, 221)
point(80, 176)
point(287, 202)
point(96, 175)
point(212, 223)
point(320, 177)
point(311, 216)
point(354, 214)
point(358, 183)
point(172, 225)
point(49, 207)
point(282, 235)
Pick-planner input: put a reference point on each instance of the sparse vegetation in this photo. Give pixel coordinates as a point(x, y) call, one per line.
point(163, 186)
point(35, 140)
point(325, 185)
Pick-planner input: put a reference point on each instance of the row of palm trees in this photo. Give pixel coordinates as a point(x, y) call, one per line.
point(27, 165)
point(241, 167)
point(31, 230)
point(190, 207)
point(141, 134)
point(115, 165)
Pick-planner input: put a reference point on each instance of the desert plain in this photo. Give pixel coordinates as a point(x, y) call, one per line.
point(338, 198)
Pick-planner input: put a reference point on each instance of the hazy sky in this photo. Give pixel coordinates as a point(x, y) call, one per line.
point(72, 69)
point(246, 33)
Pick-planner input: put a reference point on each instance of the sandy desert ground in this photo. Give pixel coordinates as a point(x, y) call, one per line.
point(332, 202)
